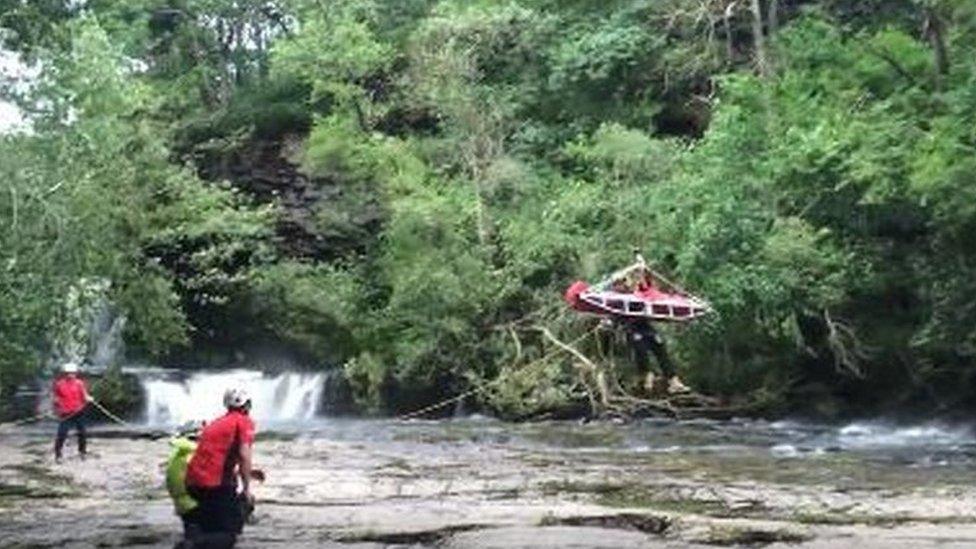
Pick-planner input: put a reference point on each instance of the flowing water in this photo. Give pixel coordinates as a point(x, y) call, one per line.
point(288, 403)
point(479, 482)
point(290, 398)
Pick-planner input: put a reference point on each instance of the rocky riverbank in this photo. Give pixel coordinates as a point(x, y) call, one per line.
point(490, 485)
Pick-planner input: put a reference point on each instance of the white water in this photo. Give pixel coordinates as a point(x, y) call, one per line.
point(279, 398)
point(869, 435)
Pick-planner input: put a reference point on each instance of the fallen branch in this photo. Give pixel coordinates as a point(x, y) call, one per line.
point(564, 346)
point(632, 404)
point(518, 343)
point(847, 349)
point(588, 367)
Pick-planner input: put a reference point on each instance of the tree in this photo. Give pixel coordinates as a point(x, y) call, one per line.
point(92, 192)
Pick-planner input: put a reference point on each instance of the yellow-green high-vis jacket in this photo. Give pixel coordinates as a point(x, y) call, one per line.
point(183, 449)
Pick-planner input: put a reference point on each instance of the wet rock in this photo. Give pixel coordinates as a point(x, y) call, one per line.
point(422, 537)
point(553, 537)
point(12, 491)
point(371, 484)
point(649, 524)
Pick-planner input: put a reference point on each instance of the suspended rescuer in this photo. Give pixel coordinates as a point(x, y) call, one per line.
point(645, 340)
point(222, 457)
point(627, 300)
point(70, 397)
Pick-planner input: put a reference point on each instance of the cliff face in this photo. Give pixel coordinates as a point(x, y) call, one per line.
point(320, 219)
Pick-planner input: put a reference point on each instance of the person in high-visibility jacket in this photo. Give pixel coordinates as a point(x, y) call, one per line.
point(183, 503)
point(220, 465)
point(199, 514)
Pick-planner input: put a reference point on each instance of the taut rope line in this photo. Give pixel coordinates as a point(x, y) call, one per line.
point(484, 386)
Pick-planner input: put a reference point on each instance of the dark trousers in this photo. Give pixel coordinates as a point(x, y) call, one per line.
point(78, 423)
point(645, 340)
point(217, 519)
point(191, 525)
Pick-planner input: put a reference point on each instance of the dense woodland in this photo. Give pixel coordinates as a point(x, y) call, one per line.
point(402, 189)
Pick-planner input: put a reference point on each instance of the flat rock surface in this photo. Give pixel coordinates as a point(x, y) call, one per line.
point(479, 487)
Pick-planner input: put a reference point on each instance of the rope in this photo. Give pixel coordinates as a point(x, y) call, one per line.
point(484, 386)
point(110, 415)
point(47, 415)
point(444, 403)
point(39, 417)
point(101, 408)
point(24, 421)
point(641, 263)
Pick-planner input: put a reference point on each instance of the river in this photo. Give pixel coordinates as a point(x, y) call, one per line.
point(481, 483)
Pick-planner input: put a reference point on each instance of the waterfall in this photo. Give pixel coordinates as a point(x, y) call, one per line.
point(89, 329)
point(106, 345)
point(276, 398)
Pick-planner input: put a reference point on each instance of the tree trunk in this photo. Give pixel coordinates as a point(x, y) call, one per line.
point(935, 32)
point(759, 40)
point(773, 19)
point(238, 53)
point(727, 25)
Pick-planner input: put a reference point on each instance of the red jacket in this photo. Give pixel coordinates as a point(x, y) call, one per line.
point(214, 463)
point(69, 395)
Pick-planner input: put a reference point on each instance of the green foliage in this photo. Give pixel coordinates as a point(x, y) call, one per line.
point(337, 45)
point(606, 68)
point(118, 392)
point(464, 161)
point(337, 54)
point(156, 318)
point(268, 110)
point(336, 149)
point(309, 307)
point(90, 192)
point(624, 156)
point(439, 283)
point(521, 392)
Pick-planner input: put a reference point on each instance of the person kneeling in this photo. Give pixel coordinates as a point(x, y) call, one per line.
point(222, 456)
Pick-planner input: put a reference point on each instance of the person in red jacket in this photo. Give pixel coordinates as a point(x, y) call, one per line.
point(70, 397)
point(223, 456)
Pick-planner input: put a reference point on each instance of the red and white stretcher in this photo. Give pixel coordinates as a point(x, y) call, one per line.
point(634, 292)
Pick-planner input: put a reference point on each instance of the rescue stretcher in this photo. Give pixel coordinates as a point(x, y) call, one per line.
point(634, 292)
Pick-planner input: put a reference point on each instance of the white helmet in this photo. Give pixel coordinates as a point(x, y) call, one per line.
point(237, 397)
point(190, 429)
point(69, 368)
